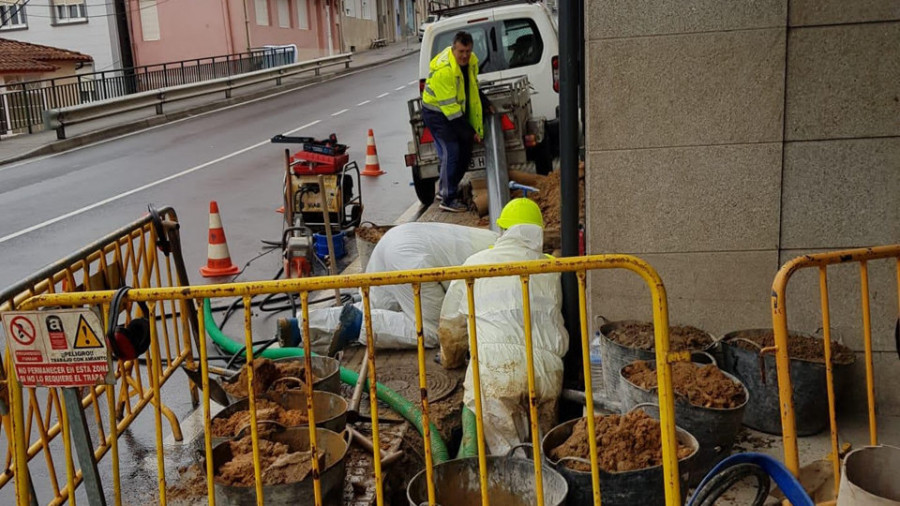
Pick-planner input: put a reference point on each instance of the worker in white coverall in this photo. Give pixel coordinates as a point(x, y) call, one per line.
point(404, 247)
point(500, 330)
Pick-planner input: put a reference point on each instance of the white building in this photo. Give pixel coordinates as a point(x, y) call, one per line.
point(86, 26)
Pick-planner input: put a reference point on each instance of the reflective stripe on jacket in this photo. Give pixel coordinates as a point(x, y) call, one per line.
point(444, 91)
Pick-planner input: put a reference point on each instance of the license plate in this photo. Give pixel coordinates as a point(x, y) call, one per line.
point(476, 163)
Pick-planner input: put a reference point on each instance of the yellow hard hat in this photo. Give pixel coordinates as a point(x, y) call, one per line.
point(520, 211)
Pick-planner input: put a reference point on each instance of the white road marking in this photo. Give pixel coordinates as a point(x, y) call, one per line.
point(144, 187)
point(398, 88)
point(342, 111)
point(364, 102)
point(411, 83)
point(383, 95)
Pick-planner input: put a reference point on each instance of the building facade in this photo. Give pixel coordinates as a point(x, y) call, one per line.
point(84, 26)
point(726, 138)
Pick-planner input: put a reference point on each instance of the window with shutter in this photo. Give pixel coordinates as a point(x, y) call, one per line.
point(262, 12)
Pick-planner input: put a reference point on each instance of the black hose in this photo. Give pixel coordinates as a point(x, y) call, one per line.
point(722, 482)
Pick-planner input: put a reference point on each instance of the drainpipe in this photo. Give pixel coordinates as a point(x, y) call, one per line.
point(570, 30)
point(247, 25)
point(229, 29)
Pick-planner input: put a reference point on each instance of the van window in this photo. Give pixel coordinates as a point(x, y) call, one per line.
point(519, 44)
point(522, 43)
point(479, 37)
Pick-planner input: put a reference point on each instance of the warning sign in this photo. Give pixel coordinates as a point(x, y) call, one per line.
point(86, 338)
point(62, 348)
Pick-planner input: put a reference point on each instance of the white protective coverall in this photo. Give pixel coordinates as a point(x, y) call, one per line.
point(501, 340)
point(406, 247)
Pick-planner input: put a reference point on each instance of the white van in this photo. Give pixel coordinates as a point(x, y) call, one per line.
point(512, 38)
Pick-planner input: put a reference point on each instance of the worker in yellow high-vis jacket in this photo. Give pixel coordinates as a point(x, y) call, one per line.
point(453, 109)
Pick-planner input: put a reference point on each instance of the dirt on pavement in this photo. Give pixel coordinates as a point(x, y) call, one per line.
point(702, 385)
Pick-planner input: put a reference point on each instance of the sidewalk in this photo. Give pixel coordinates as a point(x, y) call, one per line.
point(19, 147)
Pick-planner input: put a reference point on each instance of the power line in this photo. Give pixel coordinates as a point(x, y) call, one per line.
point(13, 12)
point(129, 11)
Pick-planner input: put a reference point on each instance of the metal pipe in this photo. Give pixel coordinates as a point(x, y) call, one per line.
point(569, 41)
point(495, 169)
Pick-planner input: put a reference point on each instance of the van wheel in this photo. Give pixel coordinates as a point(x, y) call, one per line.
point(425, 188)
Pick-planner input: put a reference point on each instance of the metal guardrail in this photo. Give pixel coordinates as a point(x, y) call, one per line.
point(59, 119)
point(22, 104)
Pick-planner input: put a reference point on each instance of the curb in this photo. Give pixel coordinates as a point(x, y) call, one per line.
point(134, 126)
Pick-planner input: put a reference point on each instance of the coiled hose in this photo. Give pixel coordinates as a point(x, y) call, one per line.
point(738, 466)
point(402, 406)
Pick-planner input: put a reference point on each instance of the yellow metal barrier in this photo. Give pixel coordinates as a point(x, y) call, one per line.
point(134, 255)
point(523, 270)
point(779, 321)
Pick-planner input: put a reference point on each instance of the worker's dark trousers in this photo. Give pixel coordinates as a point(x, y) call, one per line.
point(454, 151)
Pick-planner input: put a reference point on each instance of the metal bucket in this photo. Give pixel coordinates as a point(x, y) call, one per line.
point(291, 494)
point(715, 428)
point(759, 376)
point(641, 487)
point(615, 356)
point(327, 369)
point(869, 477)
point(510, 482)
point(331, 409)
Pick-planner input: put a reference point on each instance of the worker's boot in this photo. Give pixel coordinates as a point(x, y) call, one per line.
point(347, 332)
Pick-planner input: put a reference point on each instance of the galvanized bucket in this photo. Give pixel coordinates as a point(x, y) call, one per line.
point(758, 374)
point(327, 369)
point(510, 481)
point(715, 428)
point(331, 409)
point(641, 487)
point(615, 356)
point(869, 477)
point(291, 494)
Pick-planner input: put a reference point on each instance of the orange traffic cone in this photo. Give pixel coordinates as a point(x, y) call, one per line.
point(373, 168)
point(218, 261)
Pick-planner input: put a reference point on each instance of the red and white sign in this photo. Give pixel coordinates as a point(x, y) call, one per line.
point(60, 348)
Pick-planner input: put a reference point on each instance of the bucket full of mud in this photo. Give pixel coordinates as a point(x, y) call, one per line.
point(869, 477)
point(286, 465)
point(284, 374)
point(625, 341)
point(630, 457)
point(510, 482)
point(287, 409)
point(742, 358)
point(367, 236)
point(709, 404)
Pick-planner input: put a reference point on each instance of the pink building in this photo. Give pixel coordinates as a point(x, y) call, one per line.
point(168, 30)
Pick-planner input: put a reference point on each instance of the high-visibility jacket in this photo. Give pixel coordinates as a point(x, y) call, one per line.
point(445, 91)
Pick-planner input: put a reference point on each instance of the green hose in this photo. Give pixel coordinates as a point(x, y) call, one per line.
point(468, 447)
point(402, 406)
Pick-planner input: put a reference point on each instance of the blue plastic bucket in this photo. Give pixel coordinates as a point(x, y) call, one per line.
point(321, 244)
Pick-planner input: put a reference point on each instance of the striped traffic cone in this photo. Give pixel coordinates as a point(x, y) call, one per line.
point(373, 168)
point(218, 262)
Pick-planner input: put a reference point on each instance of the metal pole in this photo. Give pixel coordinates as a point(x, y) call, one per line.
point(495, 169)
point(570, 38)
point(93, 487)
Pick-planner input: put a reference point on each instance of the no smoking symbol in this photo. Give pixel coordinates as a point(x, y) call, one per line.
point(22, 330)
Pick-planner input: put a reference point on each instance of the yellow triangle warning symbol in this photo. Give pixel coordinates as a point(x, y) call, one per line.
point(85, 337)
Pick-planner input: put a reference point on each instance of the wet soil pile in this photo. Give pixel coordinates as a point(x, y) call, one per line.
point(371, 234)
point(278, 464)
point(190, 487)
point(624, 443)
point(265, 411)
point(705, 386)
point(267, 373)
point(801, 347)
point(640, 336)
